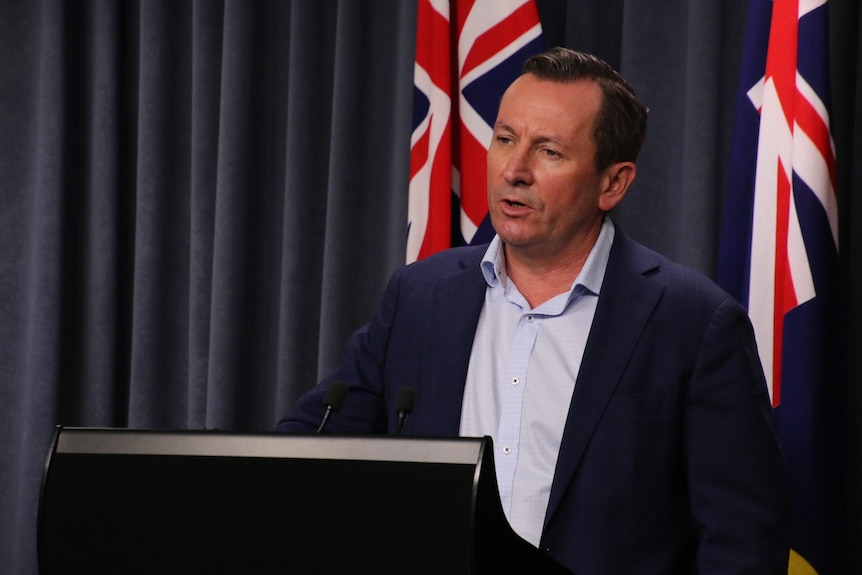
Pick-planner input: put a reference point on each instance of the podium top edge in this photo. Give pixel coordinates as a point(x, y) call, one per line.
point(108, 441)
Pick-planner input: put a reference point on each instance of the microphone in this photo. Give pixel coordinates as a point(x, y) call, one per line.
point(404, 405)
point(333, 401)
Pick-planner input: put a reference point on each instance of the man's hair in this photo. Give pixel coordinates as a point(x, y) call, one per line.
point(620, 126)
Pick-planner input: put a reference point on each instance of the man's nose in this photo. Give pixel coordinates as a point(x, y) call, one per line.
point(518, 168)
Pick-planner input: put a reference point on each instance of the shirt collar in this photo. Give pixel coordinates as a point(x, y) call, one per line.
point(590, 278)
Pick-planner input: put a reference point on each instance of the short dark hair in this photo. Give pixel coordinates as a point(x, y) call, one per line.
point(620, 127)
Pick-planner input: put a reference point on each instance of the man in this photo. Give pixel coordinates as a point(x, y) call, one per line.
point(624, 394)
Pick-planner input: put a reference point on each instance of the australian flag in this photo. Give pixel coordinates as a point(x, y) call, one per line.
point(779, 257)
point(467, 54)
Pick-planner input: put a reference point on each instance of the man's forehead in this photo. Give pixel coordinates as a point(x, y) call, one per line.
point(555, 103)
point(527, 89)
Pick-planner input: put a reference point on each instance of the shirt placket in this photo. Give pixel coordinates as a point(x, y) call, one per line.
point(513, 389)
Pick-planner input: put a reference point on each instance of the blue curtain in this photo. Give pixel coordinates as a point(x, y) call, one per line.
point(201, 200)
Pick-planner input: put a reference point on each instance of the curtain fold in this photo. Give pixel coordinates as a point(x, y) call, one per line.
point(681, 175)
point(201, 199)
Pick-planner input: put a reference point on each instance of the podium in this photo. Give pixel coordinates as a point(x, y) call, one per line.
point(195, 502)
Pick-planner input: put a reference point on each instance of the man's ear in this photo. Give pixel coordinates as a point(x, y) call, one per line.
point(615, 183)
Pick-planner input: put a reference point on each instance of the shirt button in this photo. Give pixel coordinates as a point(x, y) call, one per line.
point(516, 381)
point(507, 450)
point(529, 319)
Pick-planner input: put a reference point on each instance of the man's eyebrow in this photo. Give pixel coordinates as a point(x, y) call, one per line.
point(540, 139)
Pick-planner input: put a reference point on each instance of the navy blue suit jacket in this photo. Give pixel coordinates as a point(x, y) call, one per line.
point(668, 462)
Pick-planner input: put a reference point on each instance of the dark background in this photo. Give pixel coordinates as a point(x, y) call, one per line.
point(200, 201)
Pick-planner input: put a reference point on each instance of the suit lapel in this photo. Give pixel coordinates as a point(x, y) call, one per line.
point(625, 304)
point(457, 302)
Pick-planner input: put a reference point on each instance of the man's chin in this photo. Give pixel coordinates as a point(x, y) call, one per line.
point(515, 240)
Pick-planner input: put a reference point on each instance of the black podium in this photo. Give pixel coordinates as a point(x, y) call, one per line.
point(124, 501)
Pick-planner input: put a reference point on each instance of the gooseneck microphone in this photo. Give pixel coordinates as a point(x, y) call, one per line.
point(403, 406)
point(333, 401)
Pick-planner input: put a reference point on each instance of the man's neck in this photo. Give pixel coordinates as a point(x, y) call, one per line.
point(542, 278)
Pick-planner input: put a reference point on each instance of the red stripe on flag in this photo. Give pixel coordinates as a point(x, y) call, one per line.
point(785, 294)
point(497, 38)
point(812, 124)
point(781, 58)
point(462, 10)
point(419, 153)
point(474, 170)
point(432, 39)
point(438, 233)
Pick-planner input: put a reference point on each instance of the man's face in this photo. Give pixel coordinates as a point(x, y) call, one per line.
point(544, 193)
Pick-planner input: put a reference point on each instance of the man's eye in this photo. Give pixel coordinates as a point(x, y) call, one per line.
point(551, 153)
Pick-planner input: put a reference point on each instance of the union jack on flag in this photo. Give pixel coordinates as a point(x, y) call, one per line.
point(779, 257)
point(477, 47)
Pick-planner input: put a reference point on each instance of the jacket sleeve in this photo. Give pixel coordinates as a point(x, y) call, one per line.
point(362, 370)
point(738, 494)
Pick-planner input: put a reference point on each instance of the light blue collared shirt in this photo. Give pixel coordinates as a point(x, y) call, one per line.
point(522, 373)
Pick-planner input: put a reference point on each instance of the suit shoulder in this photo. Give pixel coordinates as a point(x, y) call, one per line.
point(446, 261)
point(678, 279)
